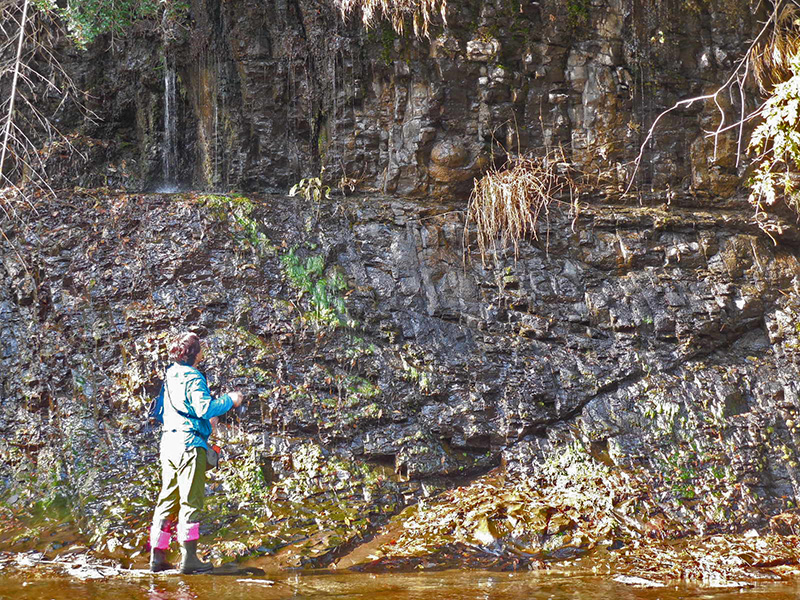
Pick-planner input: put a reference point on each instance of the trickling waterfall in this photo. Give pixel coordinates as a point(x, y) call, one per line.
point(216, 127)
point(169, 150)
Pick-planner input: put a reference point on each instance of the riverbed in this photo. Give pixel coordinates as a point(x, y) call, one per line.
point(454, 584)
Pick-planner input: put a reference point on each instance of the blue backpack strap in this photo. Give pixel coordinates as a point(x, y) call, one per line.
point(155, 412)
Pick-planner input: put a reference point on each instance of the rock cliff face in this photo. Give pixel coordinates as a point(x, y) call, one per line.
point(269, 93)
point(662, 334)
point(663, 339)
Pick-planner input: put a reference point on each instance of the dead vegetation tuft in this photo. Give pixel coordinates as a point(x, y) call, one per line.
point(771, 56)
point(507, 205)
point(421, 13)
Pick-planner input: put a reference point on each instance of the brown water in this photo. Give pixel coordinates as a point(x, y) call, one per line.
point(448, 585)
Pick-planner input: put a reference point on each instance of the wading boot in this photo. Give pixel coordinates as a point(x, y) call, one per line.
point(158, 561)
point(190, 564)
point(160, 534)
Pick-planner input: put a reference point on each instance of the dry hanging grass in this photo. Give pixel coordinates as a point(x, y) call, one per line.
point(770, 58)
point(421, 12)
point(506, 205)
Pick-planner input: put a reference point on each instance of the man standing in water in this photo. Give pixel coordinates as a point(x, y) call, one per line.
point(186, 409)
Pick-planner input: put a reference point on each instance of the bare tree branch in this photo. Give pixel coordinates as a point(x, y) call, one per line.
point(10, 116)
point(737, 77)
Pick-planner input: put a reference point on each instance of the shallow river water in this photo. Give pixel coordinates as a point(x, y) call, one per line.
point(455, 585)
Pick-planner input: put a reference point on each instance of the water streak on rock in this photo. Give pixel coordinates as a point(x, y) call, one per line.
point(169, 150)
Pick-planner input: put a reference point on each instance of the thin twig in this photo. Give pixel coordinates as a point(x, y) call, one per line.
point(10, 116)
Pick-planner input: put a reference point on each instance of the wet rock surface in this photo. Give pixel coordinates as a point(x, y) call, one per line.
point(383, 361)
point(661, 340)
point(265, 95)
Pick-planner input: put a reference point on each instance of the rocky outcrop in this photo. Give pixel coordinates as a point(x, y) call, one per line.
point(656, 332)
point(269, 94)
point(660, 337)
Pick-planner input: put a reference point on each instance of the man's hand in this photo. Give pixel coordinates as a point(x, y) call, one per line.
point(237, 398)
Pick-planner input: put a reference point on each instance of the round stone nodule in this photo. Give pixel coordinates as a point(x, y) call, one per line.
point(449, 154)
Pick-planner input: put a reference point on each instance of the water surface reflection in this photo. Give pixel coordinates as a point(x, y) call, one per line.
point(447, 585)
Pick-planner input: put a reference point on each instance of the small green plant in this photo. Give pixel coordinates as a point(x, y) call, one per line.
point(244, 477)
point(362, 389)
point(314, 191)
point(578, 12)
point(324, 293)
point(421, 378)
point(238, 209)
point(357, 349)
point(386, 37)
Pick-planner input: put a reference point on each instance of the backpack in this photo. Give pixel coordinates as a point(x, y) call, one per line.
point(155, 409)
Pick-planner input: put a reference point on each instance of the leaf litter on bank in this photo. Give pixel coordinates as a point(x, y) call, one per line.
point(583, 514)
point(572, 502)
